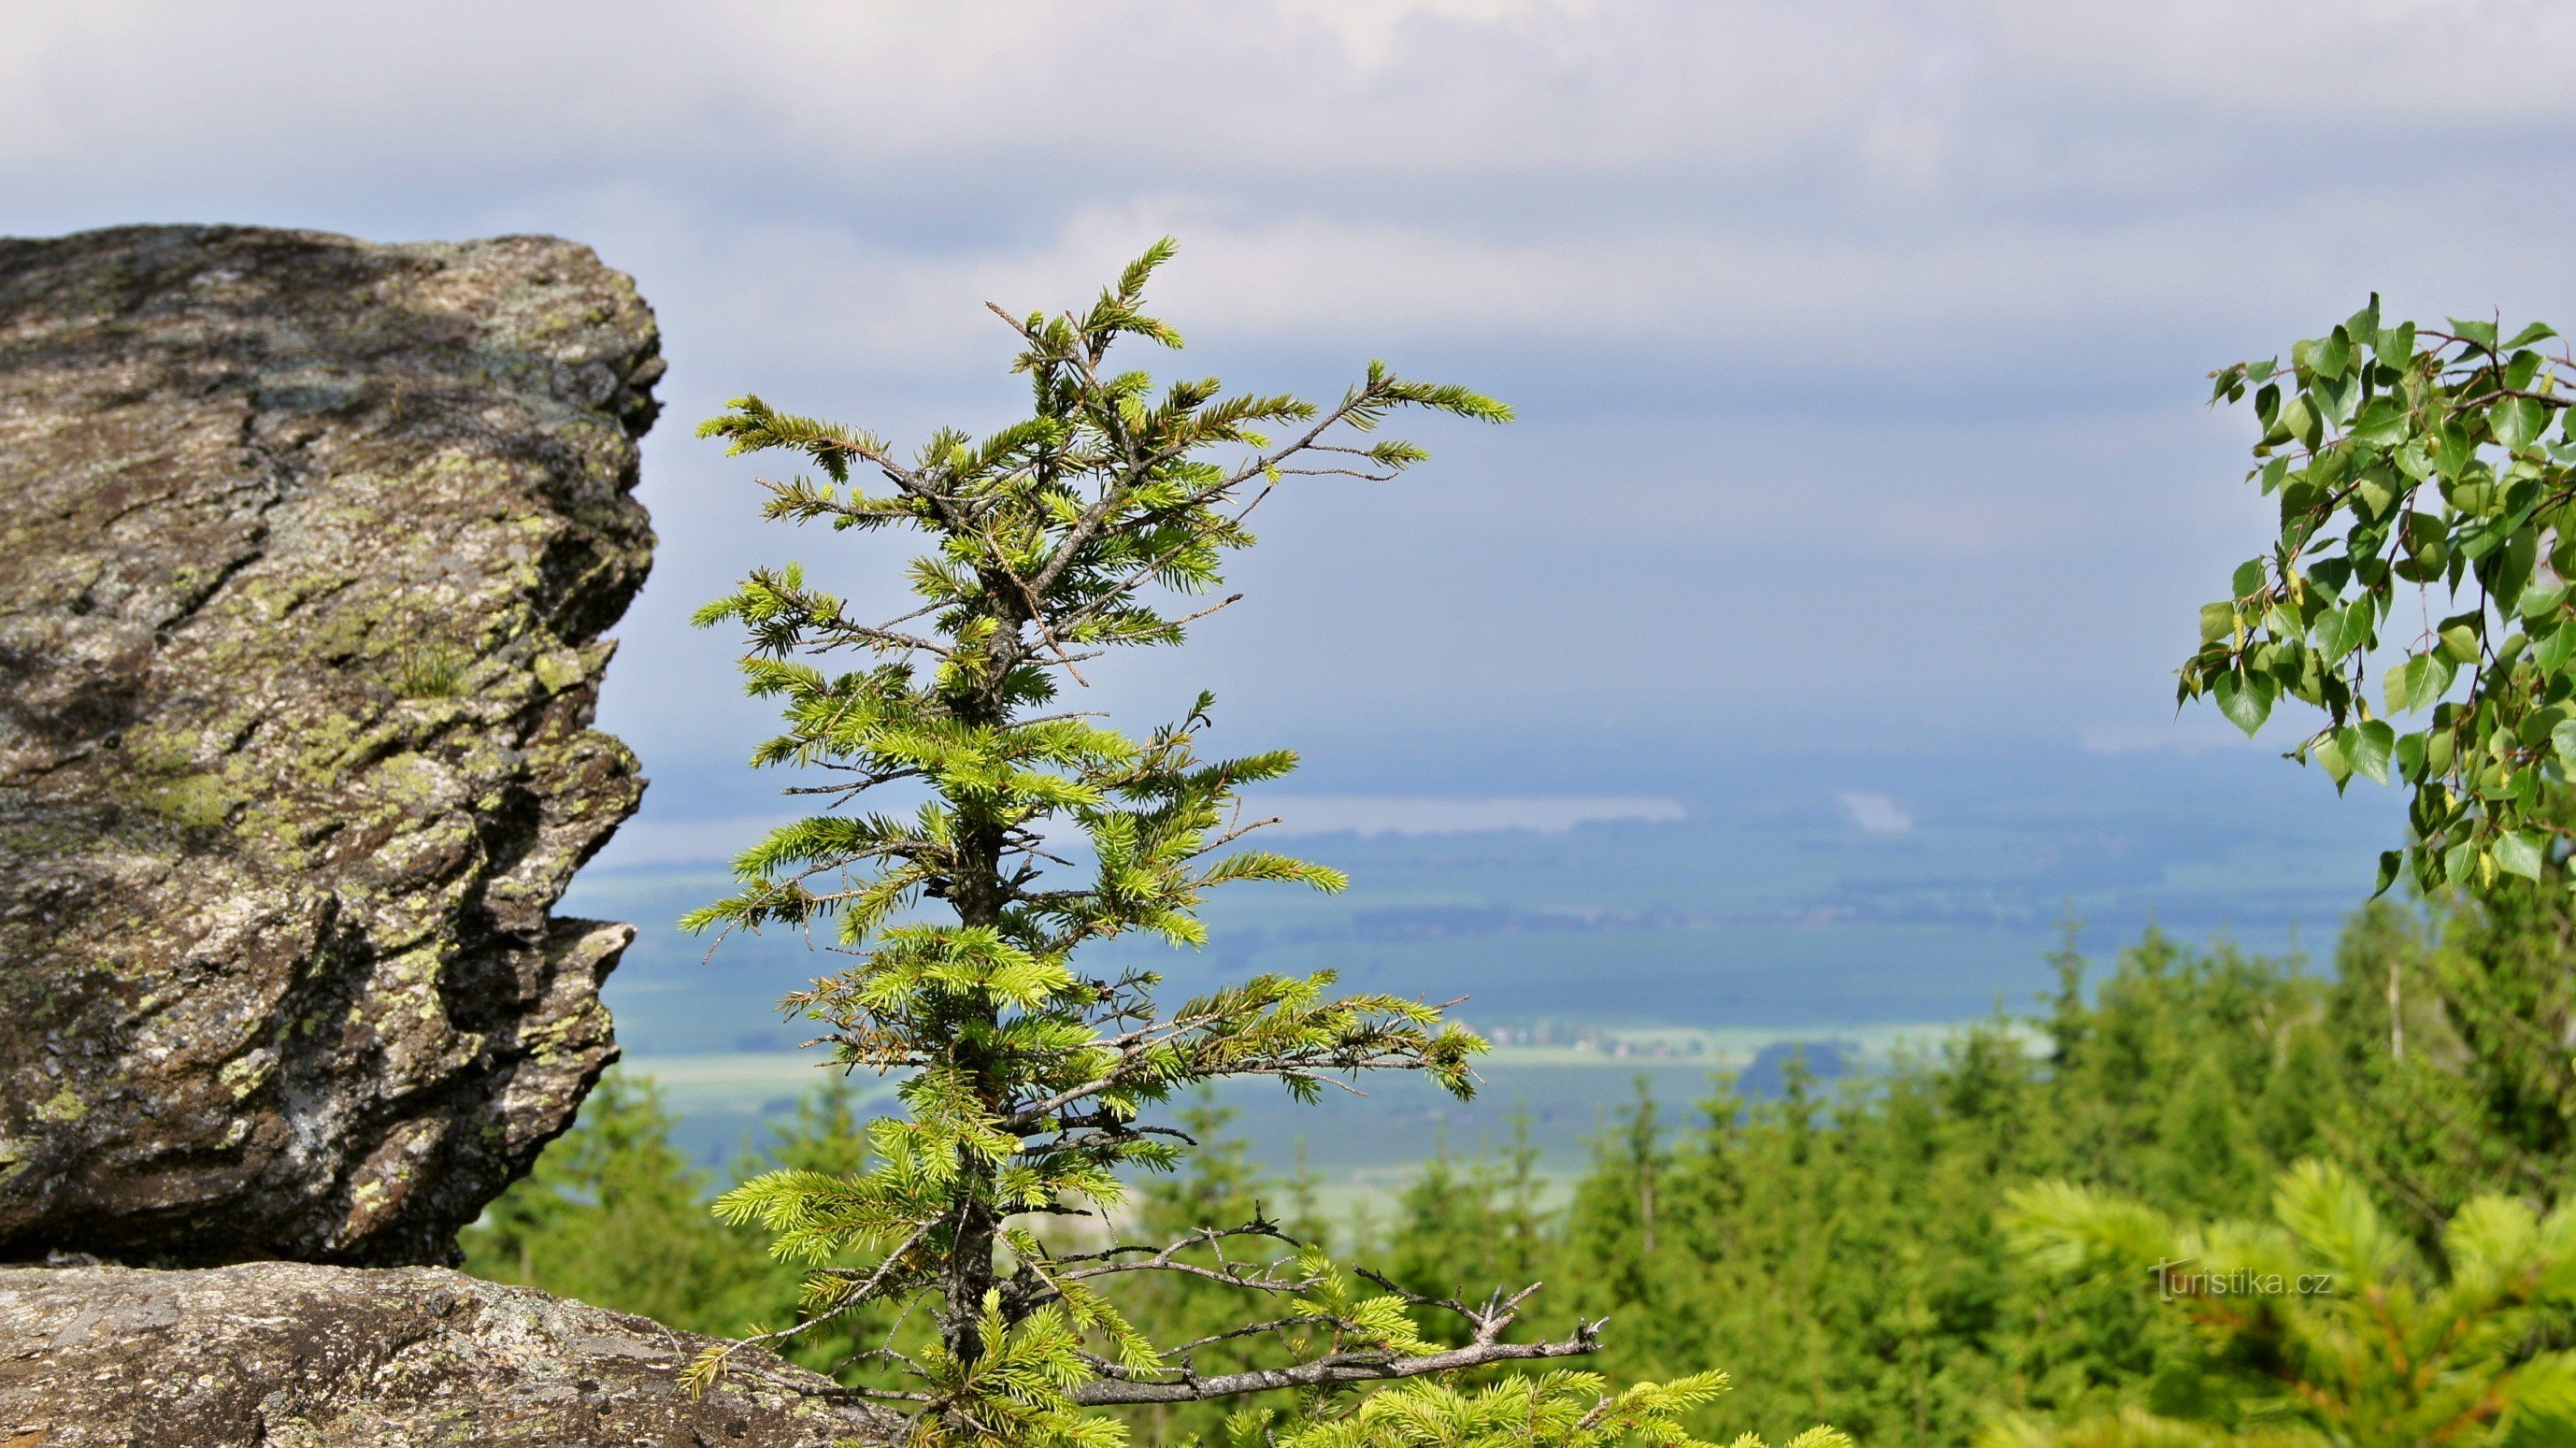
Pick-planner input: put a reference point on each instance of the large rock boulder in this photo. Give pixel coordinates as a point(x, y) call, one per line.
point(306, 547)
point(286, 1355)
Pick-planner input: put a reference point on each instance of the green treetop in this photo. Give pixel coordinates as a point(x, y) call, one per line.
point(1027, 1080)
point(2416, 460)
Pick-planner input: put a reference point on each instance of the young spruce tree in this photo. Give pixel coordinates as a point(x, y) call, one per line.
point(1027, 1079)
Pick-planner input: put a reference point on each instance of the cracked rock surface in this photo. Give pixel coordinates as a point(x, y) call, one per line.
point(306, 548)
point(290, 1355)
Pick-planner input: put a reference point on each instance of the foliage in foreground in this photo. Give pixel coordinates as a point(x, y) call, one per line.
point(2328, 1326)
point(1569, 1409)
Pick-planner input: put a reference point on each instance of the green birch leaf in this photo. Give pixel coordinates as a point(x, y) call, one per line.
point(2410, 757)
point(2513, 568)
point(2541, 599)
point(2329, 755)
point(2337, 397)
point(2381, 422)
point(2517, 420)
point(2460, 862)
point(2454, 451)
point(2332, 356)
point(2562, 740)
point(2297, 419)
point(2246, 700)
point(2369, 747)
point(2551, 653)
point(2376, 494)
point(2327, 633)
point(2421, 680)
point(2430, 869)
point(2518, 853)
point(2398, 685)
point(2479, 541)
point(2296, 500)
point(2536, 332)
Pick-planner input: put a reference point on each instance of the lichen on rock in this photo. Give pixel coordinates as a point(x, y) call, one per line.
point(306, 548)
point(290, 1355)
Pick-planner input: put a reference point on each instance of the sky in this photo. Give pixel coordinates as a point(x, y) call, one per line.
point(1859, 346)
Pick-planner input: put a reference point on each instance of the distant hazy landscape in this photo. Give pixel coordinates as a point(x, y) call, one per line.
point(1615, 934)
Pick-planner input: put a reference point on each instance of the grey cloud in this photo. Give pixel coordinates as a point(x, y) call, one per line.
point(1858, 342)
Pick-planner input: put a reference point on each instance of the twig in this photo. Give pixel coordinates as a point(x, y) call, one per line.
point(1335, 1369)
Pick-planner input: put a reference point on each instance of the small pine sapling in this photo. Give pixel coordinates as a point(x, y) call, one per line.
point(1026, 1080)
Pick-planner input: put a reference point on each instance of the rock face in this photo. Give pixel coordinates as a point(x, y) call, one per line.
point(286, 1355)
point(306, 546)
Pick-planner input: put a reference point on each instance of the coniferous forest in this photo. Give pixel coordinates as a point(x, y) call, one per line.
point(1867, 1255)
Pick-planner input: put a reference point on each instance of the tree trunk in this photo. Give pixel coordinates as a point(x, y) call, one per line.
point(979, 896)
point(970, 1274)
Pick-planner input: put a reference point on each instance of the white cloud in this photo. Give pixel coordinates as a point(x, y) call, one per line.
point(1327, 814)
point(1373, 31)
point(1874, 813)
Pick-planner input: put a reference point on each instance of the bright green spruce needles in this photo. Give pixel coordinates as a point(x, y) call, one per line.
point(2428, 523)
point(1026, 1079)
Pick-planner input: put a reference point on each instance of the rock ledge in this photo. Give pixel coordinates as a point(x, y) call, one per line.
point(306, 547)
point(288, 1355)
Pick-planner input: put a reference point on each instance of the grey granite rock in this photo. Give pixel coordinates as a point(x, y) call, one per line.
point(290, 1355)
point(306, 548)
